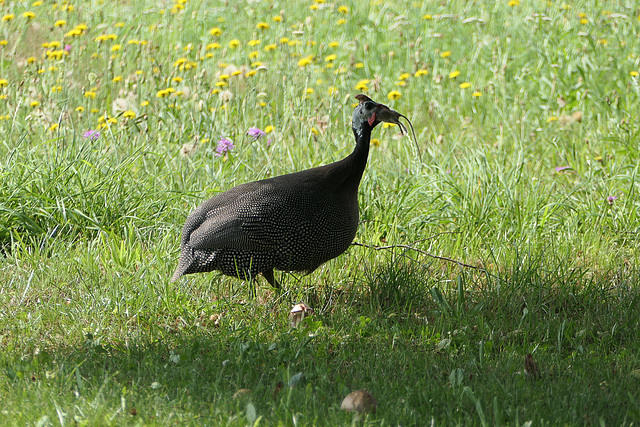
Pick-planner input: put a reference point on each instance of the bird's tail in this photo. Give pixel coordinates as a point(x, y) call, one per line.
point(186, 259)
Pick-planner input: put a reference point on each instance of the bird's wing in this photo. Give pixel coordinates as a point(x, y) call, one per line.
point(243, 222)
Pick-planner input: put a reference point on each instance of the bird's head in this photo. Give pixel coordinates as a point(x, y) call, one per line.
point(369, 112)
point(365, 113)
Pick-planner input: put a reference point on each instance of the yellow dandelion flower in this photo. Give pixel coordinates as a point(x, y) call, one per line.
point(73, 33)
point(343, 9)
point(454, 74)
point(4, 82)
point(315, 131)
point(552, 119)
point(284, 40)
point(633, 73)
point(235, 43)
point(341, 22)
point(421, 72)
point(513, 3)
point(53, 127)
point(213, 46)
point(254, 42)
point(90, 94)
point(334, 44)
point(602, 41)
point(262, 26)
point(303, 62)
point(80, 109)
point(117, 79)
point(29, 15)
point(427, 17)
point(179, 62)
point(404, 76)
point(359, 65)
point(309, 91)
point(34, 104)
point(8, 17)
point(60, 23)
point(144, 103)
point(221, 84)
point(584, 21)
point(330, 58)
point(270, 47)
point(4, 42)
point(277, 18)
point(129, 114)
point(115, 48)
point(476, 94)
point(375, 142)
point(465, 85)
point(393, 95)
point(119, 24)
point(251, 73)
point(37, 3)
point(362, 85)
point(313, 7)
point(269, 129)
point(445, 54)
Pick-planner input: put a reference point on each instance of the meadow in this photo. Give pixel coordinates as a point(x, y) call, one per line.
point(512, 230)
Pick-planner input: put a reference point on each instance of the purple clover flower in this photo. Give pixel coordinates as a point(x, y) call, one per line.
point(561, 168)
point(224, 145)
point(67, 48)
point(91, 134)
point(611, 199)
point(255, 133)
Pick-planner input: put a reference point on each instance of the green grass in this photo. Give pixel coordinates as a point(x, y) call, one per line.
point(92, 333)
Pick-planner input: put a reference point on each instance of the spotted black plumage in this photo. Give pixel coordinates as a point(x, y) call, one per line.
point(293, 222)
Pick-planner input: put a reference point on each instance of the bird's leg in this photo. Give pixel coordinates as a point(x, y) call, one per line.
point(271, 279)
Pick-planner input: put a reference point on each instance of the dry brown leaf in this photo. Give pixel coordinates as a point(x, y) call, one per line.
point(241, 392)
point(359, 401)
point(298, 313)
point(531, 367)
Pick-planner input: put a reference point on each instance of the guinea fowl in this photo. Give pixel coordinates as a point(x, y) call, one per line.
point(294, 222)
